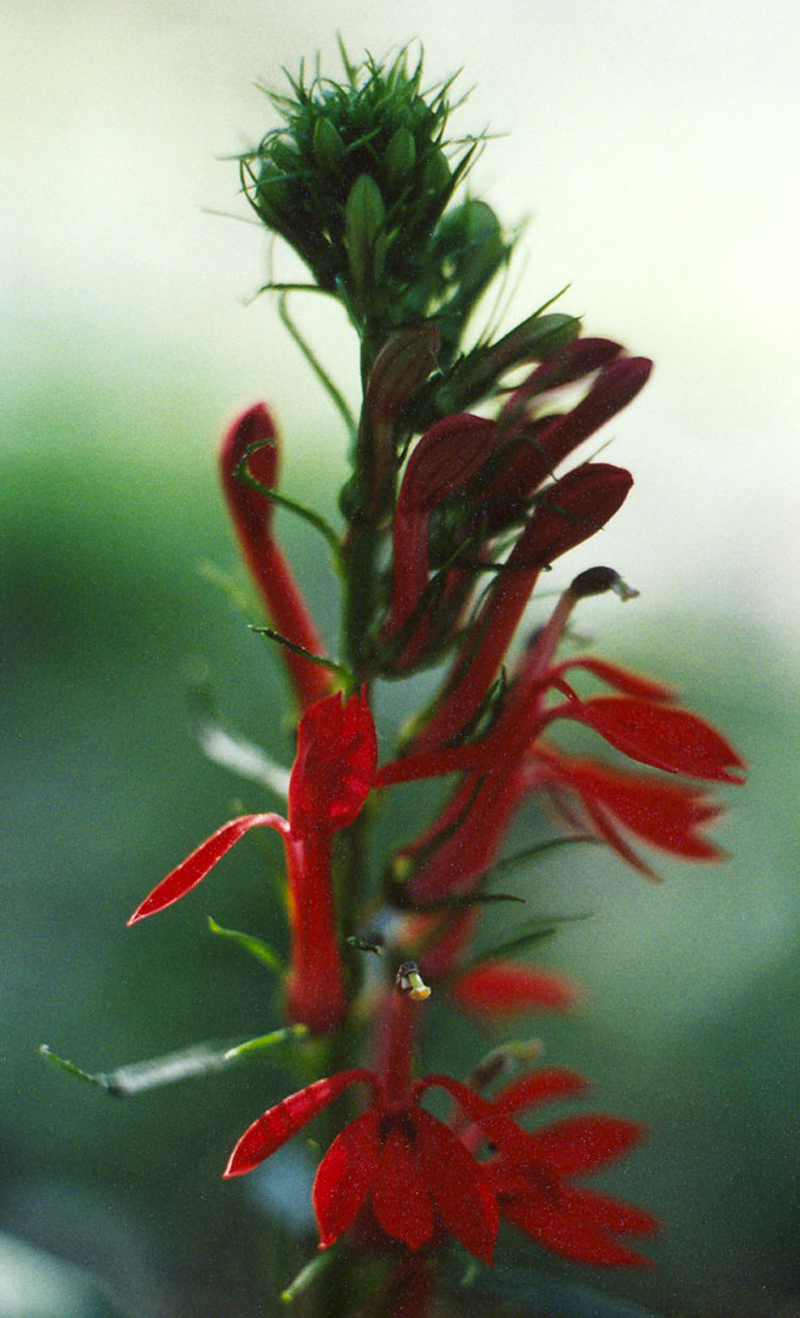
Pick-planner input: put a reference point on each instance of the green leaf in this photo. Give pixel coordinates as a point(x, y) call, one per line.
point(265, 1042)
point(256, 947)
point(321, 659)
point(316, 1267)
point(533, 933)
point(187, 1063)
point(125, 1081)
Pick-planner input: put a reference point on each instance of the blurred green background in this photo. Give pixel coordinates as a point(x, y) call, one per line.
point(652, 141)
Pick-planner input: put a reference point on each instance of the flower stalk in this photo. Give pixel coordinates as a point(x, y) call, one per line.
point(449, 519)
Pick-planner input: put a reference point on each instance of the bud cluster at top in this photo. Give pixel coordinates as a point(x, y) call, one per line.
point(358, 181)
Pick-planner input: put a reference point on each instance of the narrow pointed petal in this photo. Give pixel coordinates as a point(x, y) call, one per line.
point(196, 866)
point(460, 1191)
point(335, 765)
point(279, 1123)
point(666, 814)
point(608, 1213)
point(617, 386)
point(546, 1085)
point(344, 1177)
point(631, 684)
point(664, 737)
point(499, 1129)
point(401, 1202)
point(608, 832)
point(553, 1226)
point(580, 1144)
point(503, 988)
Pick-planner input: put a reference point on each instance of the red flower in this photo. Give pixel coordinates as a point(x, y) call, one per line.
point(409, 1164)
point(567, 513)
point(514, 759)
point(420, 1176)
point(252, 514)
point(332, 774)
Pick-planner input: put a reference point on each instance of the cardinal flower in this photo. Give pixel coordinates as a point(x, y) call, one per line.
point(516, 758)
point(421, 1178)
point(577, 1223)
point(332, 774)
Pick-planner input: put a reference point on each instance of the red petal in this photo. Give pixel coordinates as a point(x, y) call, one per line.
point(554, 1226)
point(202, 859)
point(578, 359)
point(402, 1204)
point(571, 511)
point(666, 738)
point(541, 1086)
point(611, 392)
point(518, 1144)
point(344, 1177)
point(462, 1195)
point(633, 684)
point(579, 1144)
point(278, 1124)
point(503, 988)
point(334, 769)
point(606, 830)
point(608, 1213)
point(665, 814)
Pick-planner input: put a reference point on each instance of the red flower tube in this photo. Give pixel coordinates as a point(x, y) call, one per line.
point(332, 774)
point(252, 515)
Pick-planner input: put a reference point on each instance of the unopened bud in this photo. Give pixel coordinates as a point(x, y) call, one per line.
point(401, 153)
point(363, 222)
point(401, 367)
point(410, 982)
point(328, 144)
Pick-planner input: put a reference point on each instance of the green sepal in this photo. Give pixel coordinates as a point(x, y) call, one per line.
point(309, 515)
point(534, 340)
point(255, 947)
point(251, 1047)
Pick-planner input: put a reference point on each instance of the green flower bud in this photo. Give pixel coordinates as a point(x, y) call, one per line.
point(436, 175)
point(401, 155)
point(363, 223)
point(328, 145)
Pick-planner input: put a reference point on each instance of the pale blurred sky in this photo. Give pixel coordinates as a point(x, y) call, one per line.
point(653, 145)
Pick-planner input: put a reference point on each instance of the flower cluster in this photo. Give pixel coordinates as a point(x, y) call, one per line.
point(450, 517)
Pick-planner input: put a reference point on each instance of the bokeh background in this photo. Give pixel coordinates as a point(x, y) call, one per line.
point(653, 149)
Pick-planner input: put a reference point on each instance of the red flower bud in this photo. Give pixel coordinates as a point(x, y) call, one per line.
point(252, 514)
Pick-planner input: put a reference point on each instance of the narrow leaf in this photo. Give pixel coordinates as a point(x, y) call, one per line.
point(125, 1081)
point(320, 659)
point(316, 1267)
point(265, 1042)
point(256, 947)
